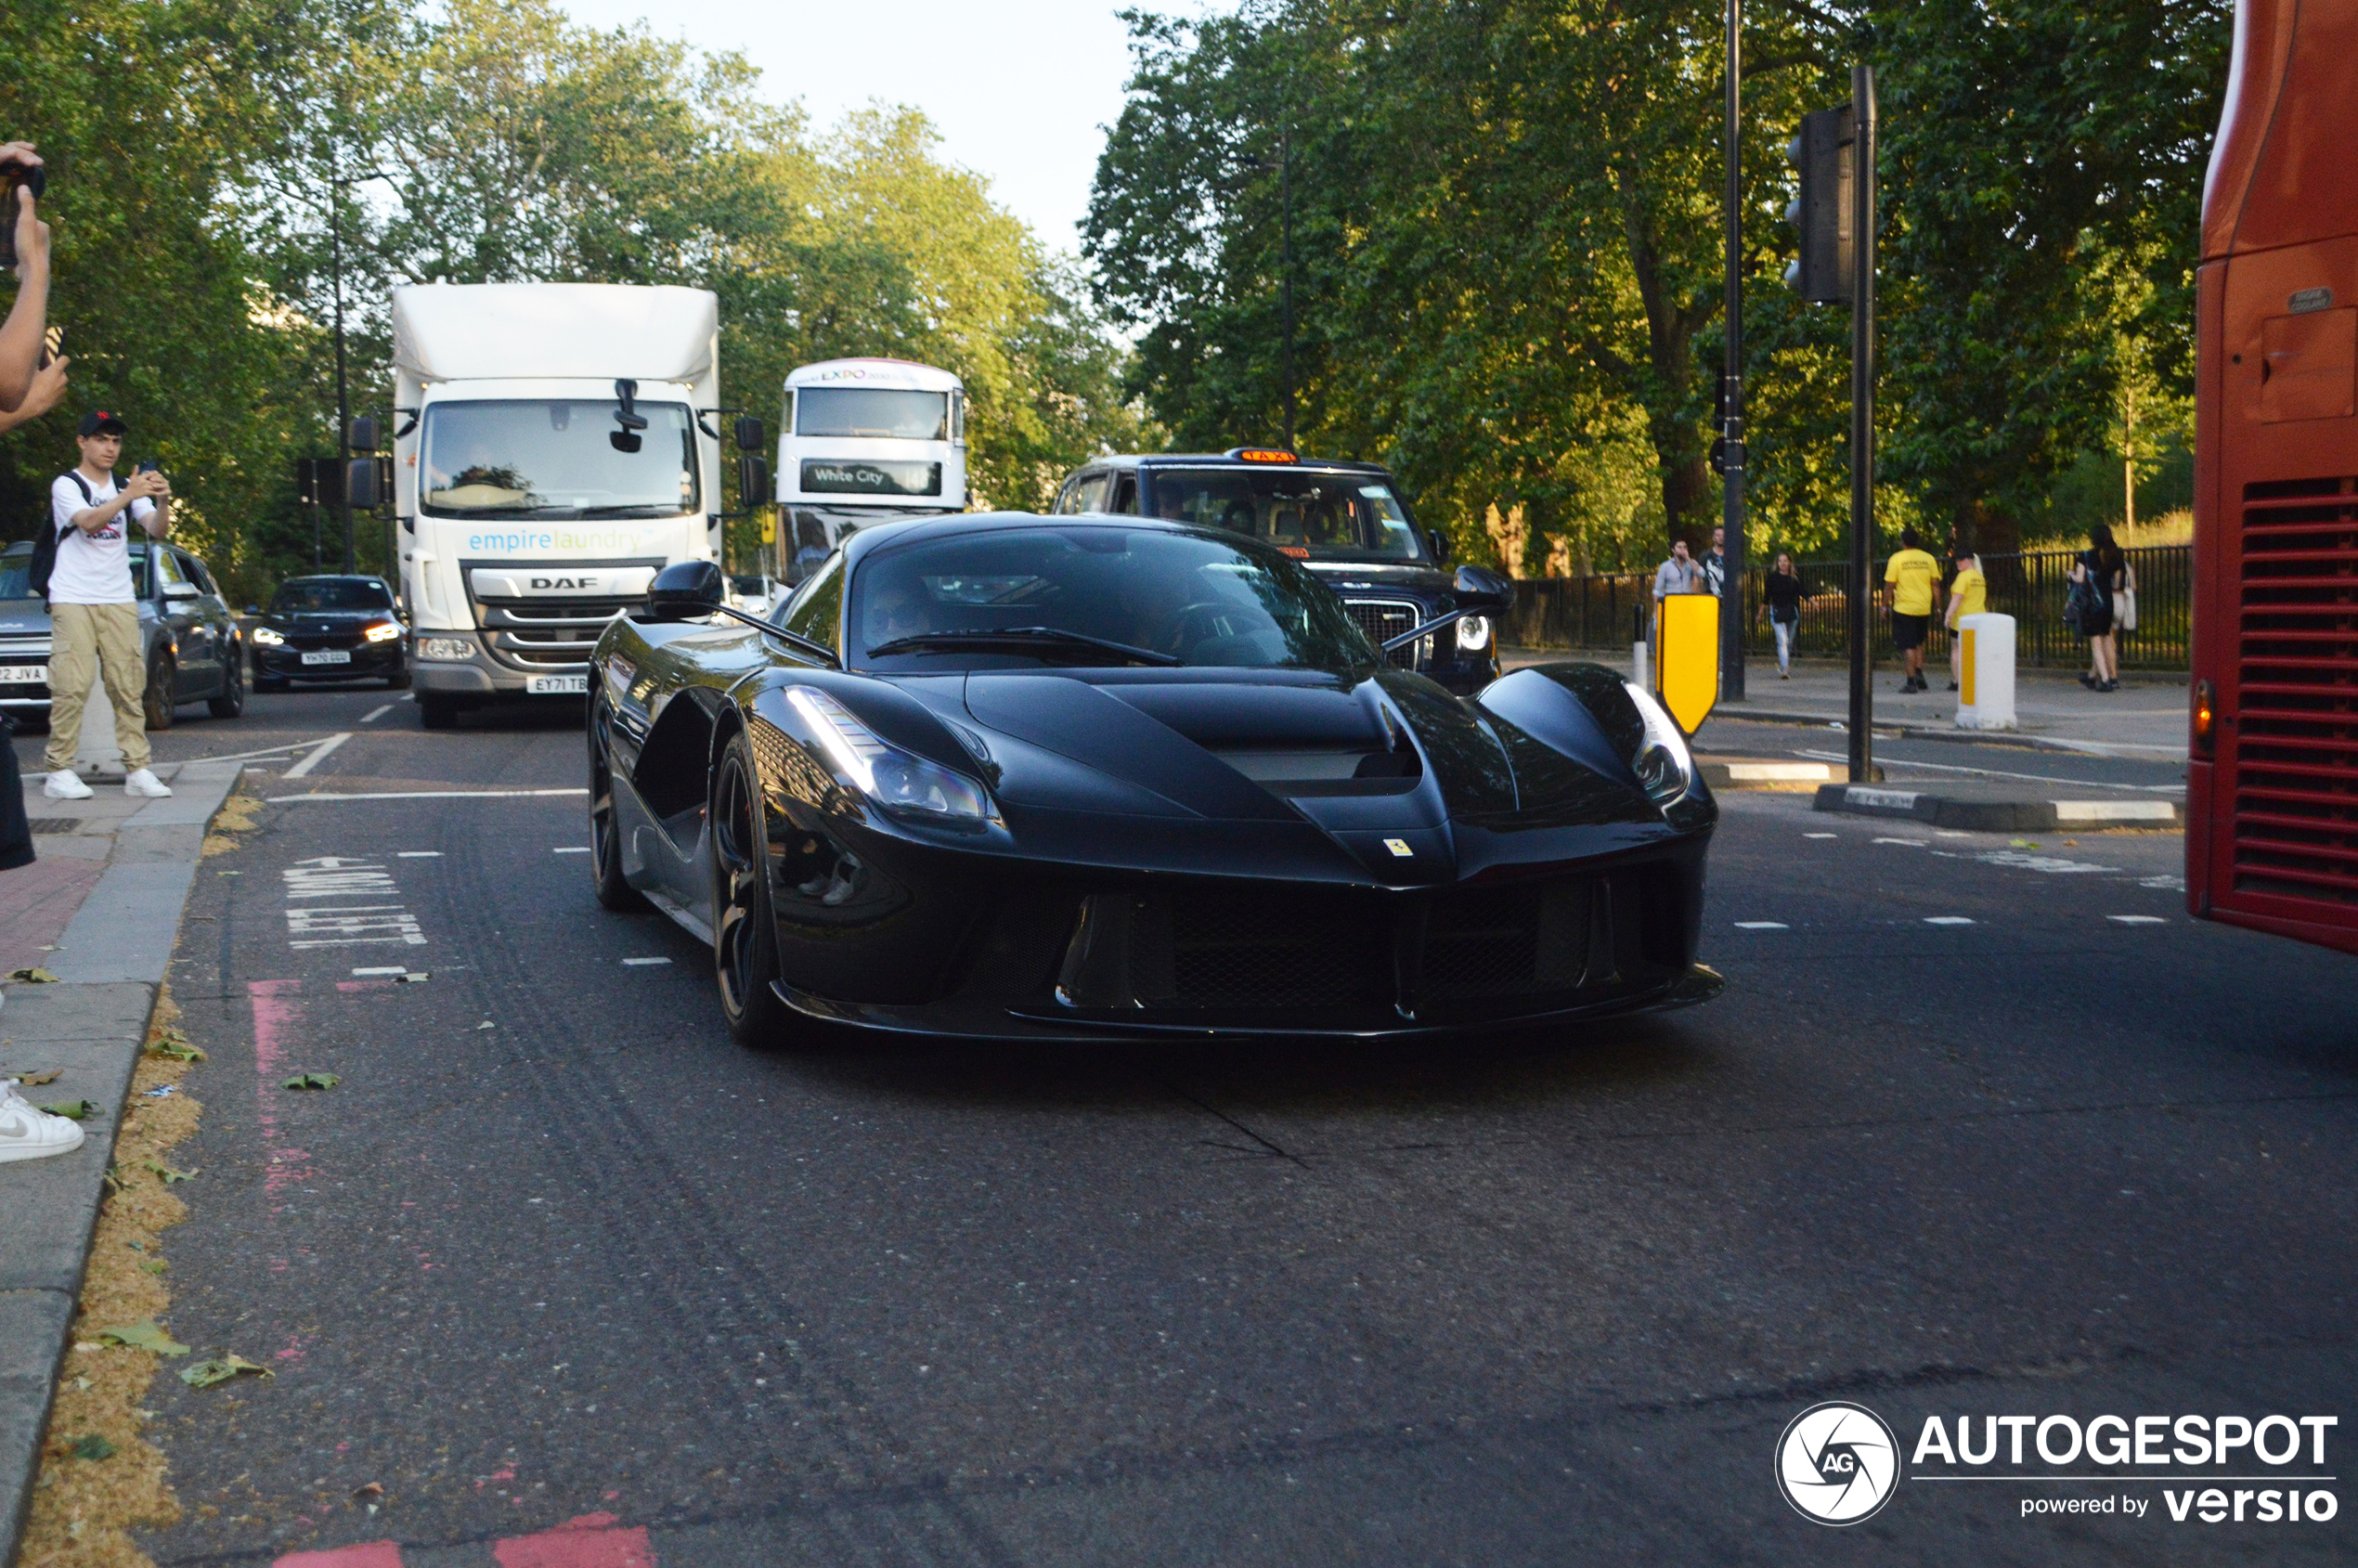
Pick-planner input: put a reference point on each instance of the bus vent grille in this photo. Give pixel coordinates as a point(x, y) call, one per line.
point(2296, 746)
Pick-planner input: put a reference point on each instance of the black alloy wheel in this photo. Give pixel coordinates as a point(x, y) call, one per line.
point(232, 700)
point(155, 701)
point(605, 837)
point(745, 934)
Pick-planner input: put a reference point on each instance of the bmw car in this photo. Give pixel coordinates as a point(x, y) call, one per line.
point(1012, 777)
point(1347, 521)
point(330, 627)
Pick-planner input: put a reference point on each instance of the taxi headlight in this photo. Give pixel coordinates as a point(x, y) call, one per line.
point(383, 632)
point(1474, 633)
point(447, 650)
point(900, 782)
point(1666, 769)
point(265, 638)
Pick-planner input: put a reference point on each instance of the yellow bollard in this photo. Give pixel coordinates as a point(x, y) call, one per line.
point(1689, 657)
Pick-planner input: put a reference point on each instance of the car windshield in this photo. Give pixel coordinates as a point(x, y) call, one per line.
point(16, 572)
point(1193, 596)
point(329, 593)
point(551, 458)
point(1309, 516)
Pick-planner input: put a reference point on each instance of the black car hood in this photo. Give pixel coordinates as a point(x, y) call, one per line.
point(1235, 745)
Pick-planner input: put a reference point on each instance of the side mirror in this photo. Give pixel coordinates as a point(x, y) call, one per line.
point(748, 432)
point(1440, 542)
point(363, 434)
point(360, 484)
point(627, 416)
point(1483, 591)
point(753, 481)
point(688, 591)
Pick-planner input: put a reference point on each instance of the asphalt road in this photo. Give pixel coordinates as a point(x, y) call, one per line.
point(553, 1250)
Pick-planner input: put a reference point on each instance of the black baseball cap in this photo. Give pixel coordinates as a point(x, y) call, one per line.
point(98, 421)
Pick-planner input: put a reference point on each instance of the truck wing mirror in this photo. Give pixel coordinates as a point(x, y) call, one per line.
point(361, 484)
point(363, 434)
point(748, 432)
point(753, 481)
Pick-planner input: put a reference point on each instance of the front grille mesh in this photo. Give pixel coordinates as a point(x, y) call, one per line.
point(1383, 619)
point(1228, 951)
point(2296, 748)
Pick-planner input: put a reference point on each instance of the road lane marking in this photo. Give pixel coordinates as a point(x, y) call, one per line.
point(1911, 843)
point(1948, 920)
point(2000, 773)
point(431, 794)
point(350, 924)
point(317, 755)
point(417, 854)
point(383, 969)
point(373, 717)
point(2138, 919)
point(1740, 926)
point(1820, 836)
point(636, 963)
point(570, 849)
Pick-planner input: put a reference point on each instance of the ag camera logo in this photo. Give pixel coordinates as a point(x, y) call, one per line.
point(1837, 1463)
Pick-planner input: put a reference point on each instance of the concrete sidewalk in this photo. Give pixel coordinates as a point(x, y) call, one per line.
point(2145, 719)
point(99, 910)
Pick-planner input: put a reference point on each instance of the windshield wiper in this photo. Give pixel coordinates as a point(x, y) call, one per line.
point(1015, 639)
point(636, 508)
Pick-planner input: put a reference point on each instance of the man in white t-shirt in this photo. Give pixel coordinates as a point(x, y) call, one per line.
point(93, 615)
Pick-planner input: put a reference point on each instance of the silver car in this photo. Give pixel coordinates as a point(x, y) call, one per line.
point(192, 645)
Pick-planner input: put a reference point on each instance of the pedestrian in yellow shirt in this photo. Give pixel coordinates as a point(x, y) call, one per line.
point(1911, 588)
point(1968, 595)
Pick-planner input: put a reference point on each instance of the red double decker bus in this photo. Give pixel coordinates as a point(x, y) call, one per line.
point(2272, 796)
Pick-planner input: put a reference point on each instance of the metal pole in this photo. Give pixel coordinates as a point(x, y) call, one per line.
point(1732, 626)
point(343, 405)
point(1862, 418)
point(1285, 187)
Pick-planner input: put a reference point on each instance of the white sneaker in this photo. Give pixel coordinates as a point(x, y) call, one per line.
point(145, 784)
point(27, 1133)
point(66, 785)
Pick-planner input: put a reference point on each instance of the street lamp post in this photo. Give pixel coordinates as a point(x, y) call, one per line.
point(343, 401)
point(1732, 383)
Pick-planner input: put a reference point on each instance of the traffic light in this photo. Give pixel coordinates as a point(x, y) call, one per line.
point(1821, 214)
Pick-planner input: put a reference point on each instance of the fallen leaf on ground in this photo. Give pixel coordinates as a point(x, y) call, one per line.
point(33, 976)
point(74, 1110)
point(205, 1374)
point(421, 978)
point(363, 1494)
point(176, 1047)
point(143, 1335)
point(168, 1175)
point(33, 1079)
point(312, 1080)
point(93, 1448)
point(487, 1023)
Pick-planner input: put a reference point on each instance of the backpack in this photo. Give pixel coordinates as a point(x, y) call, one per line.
point(45, 546)
point(2084, 607)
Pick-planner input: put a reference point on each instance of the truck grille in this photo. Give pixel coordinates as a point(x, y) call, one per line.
point(1383, 619)
point(2296, 739)
point(547, 633)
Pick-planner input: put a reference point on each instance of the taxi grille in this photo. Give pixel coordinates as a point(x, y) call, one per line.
point(1383, 619)
point(2296, 739)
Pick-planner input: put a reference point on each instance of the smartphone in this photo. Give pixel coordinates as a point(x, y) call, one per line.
point(37, 179)
point(51, 340)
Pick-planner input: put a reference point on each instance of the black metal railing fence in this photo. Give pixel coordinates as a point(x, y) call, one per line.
point(1605, 611)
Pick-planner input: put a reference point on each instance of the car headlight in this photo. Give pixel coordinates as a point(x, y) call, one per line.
point(900, 782)
point(1474, 633)
point(1663, 765)
point(451, 650)
point(265, 638)
point(383, 632)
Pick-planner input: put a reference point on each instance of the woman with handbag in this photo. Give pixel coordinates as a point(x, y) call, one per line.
point(1781, 601)
point(2103, 585)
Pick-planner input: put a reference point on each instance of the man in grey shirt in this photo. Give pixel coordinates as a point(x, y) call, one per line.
point(1676, 575)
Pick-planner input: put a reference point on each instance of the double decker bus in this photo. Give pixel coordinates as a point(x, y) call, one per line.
point(860, 440)
point(2272, 796)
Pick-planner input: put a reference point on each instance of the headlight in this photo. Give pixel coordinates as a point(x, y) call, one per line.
point(1663, 765)
point(1474, 633)
point(449, 650)
point(383, 632)
point(265, 638)
point(900, 782)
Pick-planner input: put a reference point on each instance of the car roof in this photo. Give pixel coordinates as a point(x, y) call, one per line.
point(1229, 460)
point(334, 578)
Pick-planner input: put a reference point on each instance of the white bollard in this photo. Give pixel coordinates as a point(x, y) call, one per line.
point(1640, 670)
point(1986, 695)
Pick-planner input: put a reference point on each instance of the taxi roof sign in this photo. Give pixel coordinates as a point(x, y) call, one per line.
point(1261, 454)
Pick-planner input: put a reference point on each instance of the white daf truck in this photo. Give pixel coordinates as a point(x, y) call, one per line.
point(553, 449)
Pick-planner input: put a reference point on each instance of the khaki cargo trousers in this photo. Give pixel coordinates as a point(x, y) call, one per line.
point(104, 637)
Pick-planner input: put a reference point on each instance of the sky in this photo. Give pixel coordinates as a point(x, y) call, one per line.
point(1021, 90)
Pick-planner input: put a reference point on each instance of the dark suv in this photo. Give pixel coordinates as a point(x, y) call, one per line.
point(1345, 521)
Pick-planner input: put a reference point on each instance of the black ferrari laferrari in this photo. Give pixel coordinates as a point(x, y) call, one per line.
point(1008, 777)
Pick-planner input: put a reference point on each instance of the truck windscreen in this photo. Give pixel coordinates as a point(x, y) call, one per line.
point(550, 458)
point(1310, 516)
point(871, 412)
